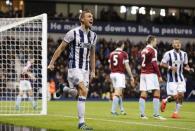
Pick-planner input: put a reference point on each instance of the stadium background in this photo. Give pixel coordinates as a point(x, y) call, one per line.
point(130, 21)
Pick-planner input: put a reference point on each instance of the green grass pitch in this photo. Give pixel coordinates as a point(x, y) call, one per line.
point(62, 115)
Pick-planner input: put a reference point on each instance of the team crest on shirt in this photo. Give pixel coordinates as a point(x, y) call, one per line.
point(84, 45)
point(177, 62)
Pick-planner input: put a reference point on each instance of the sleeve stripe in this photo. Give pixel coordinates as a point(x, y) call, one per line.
point(66, 41)
point(154, 59)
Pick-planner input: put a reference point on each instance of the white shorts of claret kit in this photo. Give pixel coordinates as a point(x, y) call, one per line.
point(75, 76)
point(25, 85)
point(174, 87)
point(149, 82)
point(118, 80)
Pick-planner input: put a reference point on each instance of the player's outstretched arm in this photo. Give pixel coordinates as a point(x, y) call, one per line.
point(57, 54)
point(128, 69)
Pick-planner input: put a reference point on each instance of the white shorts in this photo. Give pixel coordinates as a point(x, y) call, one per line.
point(75, 76)
point(25, 85)
point(118, 80)
point(149, 82)
point(174, 87)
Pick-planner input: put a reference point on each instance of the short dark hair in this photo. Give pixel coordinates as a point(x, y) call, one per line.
point(83, 12)
point(119, 43)
point(150, 38)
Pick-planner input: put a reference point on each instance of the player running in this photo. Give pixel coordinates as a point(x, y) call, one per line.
point(80, 42)
point(175, 61)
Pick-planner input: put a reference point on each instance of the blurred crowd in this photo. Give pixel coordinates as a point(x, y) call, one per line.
point(111, 15)
point(101, 86)
point(11, 14)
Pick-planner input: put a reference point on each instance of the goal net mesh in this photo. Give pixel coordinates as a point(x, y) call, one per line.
point(21, 38)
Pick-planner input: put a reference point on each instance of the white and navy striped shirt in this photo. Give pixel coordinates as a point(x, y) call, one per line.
point(80, 42)
point(177, 59)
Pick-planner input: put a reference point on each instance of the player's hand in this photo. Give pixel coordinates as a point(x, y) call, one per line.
point(132, 82)
point(160, 80)
point(92, 75)
point(51, 67)
point(173, 68)
point(190, 70)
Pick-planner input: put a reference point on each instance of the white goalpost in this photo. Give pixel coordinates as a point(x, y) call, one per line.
point(23, 39)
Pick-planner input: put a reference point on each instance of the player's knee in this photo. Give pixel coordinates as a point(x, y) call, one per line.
point(156, 94)
point(143, 94)
point(143, 97)
point(175, 97)
point(180, 95)
point(20, 93)
point(83, 91)
point(118, 92)
point(30, 94)
point(157, 97)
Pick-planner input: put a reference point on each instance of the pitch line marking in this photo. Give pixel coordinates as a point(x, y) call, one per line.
point(135, 123)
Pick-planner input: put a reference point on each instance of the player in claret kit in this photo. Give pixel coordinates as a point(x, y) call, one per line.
point(119, 63)
point(150, 77)
point(25, 84)
point(175, 61)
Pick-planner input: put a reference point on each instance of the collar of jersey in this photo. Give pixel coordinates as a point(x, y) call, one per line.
point(84, 29)
point(176, 51)
point(119, 49)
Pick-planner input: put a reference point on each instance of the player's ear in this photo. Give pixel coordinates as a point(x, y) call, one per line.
point(81, 20)
point(123, 45)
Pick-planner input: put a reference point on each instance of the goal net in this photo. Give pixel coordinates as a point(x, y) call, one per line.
point(23, 65)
